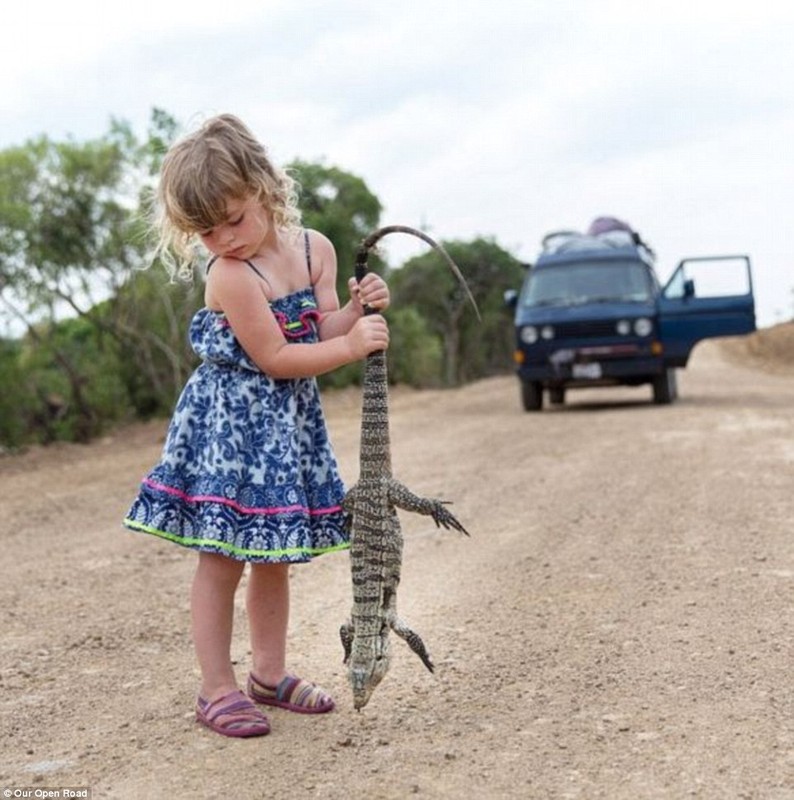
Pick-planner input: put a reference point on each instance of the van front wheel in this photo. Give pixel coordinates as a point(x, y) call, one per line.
point(532, 395)
point(665, 387)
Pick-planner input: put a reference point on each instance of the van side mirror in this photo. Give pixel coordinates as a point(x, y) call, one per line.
point(511, 299)
point(689, 288)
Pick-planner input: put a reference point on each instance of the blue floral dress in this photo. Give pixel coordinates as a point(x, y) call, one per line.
point(247, 469)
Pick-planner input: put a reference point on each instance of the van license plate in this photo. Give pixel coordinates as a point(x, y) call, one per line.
point(587, 371)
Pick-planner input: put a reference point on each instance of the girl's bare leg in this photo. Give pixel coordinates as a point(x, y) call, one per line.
point(212, 613)
point(267, 602)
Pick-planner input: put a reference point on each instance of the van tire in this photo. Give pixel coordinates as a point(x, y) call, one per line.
point(665, 387)
point(532, 395)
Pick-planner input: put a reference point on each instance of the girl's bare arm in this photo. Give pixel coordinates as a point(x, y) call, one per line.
point(240, 296)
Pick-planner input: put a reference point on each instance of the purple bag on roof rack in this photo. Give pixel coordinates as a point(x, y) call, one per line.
point(606, 225)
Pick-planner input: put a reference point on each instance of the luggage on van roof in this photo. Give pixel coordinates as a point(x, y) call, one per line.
point(603, 233)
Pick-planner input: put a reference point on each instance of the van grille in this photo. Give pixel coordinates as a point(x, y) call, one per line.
point(585, 330)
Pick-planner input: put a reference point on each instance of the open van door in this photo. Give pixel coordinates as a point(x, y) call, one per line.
point(705, 297)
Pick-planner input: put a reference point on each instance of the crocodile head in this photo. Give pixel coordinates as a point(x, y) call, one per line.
point(367, 670)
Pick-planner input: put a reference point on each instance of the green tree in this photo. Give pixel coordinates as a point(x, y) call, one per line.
point(71, 235)
point(415, 356)
point(63, 218)
point(472, 348)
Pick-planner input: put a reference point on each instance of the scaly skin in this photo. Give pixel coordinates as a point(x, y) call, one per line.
point(376, 540)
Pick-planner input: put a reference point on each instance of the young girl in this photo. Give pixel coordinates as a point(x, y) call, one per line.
point(247, 472)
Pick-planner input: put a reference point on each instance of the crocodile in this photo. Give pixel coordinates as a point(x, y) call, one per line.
point(376, 540)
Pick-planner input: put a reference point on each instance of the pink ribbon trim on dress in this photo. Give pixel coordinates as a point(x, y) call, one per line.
point(242, 509)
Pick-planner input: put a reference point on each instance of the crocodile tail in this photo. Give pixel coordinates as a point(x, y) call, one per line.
point(361, 267)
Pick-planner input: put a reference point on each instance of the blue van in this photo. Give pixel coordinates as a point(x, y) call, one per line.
point(592, 312)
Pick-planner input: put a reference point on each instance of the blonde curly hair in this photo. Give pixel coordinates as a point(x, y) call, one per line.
point(221, 161)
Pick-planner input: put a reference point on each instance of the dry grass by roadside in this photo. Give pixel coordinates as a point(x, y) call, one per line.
point(770, 349)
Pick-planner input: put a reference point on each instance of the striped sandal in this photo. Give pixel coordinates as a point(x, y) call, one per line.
point(232, 715)
point(292, 693)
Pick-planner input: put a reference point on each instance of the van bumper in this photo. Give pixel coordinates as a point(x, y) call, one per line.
point(591, 371)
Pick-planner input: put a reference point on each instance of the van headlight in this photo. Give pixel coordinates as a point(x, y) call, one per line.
point(547, 332)
point(529, 334)
point(623, 327)
point(643, 326)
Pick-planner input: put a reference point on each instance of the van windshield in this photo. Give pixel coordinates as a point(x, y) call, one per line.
point(581, 283)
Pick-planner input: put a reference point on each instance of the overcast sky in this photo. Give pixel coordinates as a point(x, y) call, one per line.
point(497, 118)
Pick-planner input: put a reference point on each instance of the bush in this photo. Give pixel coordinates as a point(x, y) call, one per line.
point(16, 399)
point(415, 355)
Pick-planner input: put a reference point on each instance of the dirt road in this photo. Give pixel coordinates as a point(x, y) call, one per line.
point(619, 625)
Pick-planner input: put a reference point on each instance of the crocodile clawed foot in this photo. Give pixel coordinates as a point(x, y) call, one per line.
point(445, 518)
point(346, 635)
point(414, 641)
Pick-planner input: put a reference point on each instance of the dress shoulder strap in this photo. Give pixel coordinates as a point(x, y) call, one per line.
point(253, 267)
point(250, 264)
